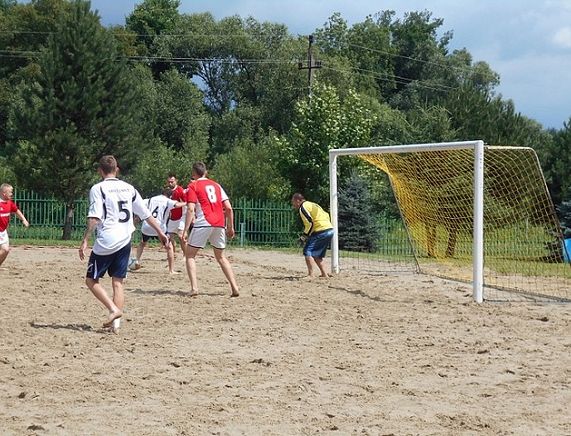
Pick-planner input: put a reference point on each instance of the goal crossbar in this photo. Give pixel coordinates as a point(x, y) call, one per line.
point(478, 187)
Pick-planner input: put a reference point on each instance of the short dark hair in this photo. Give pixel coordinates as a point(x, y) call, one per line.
point(199, 168)
point(297, 196)
point(108, 164)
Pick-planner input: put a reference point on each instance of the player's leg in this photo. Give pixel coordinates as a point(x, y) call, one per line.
point(140, 248)
point(170, 255)
point(182, 245)
point(196, 240)
point(319, 263)
point(99, 291)
point(118, 271)
point(119, 301)
point(190, 259)
point(171, 249)
point(97, 266)
point(4, 246)
point(227, 270)
point(309, 264)
point(4, 250)
point(218, 241)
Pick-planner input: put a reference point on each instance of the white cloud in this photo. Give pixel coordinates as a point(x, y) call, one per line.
point(562, 37)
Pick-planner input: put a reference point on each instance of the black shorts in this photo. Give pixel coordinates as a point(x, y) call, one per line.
point(115, 264)
point(146, 238)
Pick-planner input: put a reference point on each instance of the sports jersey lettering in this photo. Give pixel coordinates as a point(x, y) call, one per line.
point(208, 197)
point(211, 193)
point(113, 203)
point(160, 207)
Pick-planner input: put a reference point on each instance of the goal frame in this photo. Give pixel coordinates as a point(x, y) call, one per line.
point(478, 187)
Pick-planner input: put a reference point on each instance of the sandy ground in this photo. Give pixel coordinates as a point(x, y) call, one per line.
point(352, 355)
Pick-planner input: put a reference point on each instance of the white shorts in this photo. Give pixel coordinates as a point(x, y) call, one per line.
point(4, 238)
point(215, 235)
point(175, 226)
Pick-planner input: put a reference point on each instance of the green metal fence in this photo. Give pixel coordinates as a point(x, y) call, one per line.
point(257, 222)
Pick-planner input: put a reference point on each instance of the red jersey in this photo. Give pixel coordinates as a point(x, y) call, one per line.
point(6, 208)
point(209, 198)
point(177, 195)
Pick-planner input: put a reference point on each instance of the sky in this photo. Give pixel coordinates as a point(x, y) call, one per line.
point(528, 42)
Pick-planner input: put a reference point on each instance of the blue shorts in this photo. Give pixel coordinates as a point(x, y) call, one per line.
point(115, 264)
point(317, 244)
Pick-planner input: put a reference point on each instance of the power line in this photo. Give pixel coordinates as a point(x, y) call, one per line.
point(242, 36)
point(179, 60)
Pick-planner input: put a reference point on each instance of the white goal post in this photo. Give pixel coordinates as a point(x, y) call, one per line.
point(478, 187)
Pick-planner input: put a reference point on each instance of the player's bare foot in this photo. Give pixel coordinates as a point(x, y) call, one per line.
point(235, 294)
point(174, 272)
point(193, 294)
point(112, 317)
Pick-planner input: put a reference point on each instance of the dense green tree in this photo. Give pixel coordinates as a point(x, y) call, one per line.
point(151, 21)
point(243, 124)
point(555, 160)
point(358, 226)
point(181, 119)
point(251, 167)
point(80, 107)
point(322, 122)
point(152, 168)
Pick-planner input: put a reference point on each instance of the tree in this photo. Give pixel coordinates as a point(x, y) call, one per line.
point(150, 21)
point(181, 119)
point(251, 168)
point(80, 107)
point(321, 123)
point(358, 228)
point(556, 162)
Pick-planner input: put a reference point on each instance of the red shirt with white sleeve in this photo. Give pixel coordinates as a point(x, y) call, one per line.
point(7, 207)
point(208, 196)
point(177, 195)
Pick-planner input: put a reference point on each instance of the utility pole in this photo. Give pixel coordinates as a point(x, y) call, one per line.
point(312, 64)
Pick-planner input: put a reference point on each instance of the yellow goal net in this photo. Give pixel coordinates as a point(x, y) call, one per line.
point(438, 190)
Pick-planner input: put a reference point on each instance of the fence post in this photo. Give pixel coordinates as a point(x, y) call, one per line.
point(242, 233)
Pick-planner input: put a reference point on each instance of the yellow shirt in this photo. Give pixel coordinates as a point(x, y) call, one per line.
point(314, 218)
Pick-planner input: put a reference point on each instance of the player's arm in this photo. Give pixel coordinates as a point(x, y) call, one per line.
point(229, 214)
point(91, 224)
point(156, 225)
point(188, 219)
point(22, 218)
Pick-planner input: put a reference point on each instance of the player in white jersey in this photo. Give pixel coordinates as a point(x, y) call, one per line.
point(160, 207)
point(112, 204)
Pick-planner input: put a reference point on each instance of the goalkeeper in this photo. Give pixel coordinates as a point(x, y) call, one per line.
point(317, 232)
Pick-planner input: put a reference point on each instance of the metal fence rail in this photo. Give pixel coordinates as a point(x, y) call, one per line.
point(257, 222)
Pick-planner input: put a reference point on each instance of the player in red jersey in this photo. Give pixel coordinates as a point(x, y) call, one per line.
point(7, 207)
point(210, 214)
point(175, 222)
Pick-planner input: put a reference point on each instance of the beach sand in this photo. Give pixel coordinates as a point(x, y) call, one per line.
point(356, 354)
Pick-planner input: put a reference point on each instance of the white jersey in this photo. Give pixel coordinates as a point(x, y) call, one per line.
point(160, 207)
point(113, 202)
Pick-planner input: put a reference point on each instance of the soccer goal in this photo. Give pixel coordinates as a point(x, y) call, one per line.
point(472, 213)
